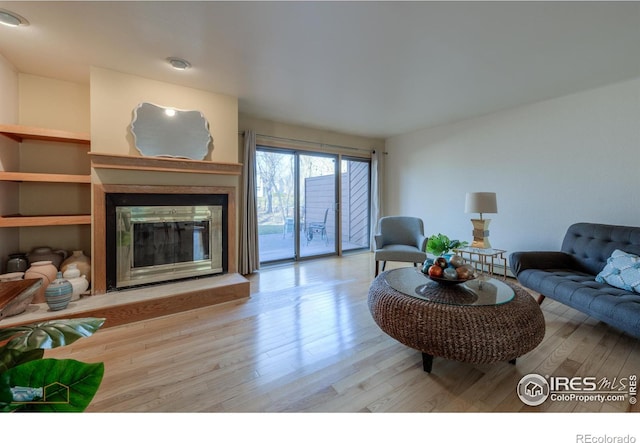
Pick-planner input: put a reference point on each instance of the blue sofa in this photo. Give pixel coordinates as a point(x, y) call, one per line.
point(569, 275)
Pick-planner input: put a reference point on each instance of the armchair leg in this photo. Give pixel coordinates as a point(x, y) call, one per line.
point(384, 263)
point(377, 265)
point(540, 299)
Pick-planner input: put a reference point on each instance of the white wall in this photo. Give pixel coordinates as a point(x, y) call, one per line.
point(9, 157)
point(9, 87)
point(115, 95)
point(55, 104)
point(570, 159)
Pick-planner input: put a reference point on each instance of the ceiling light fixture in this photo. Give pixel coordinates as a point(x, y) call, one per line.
point(179, 64)
point(12, 19)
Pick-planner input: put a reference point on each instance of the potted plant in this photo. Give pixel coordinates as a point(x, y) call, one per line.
point(440, 245)
point(29, 382)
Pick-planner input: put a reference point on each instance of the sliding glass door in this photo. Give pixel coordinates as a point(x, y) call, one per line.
point(275, 193)
point(355, 203)
point(318, 201)
point(298, 212)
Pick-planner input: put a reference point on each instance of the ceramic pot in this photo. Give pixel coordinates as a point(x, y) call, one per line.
point(71, 271)
point(82, 262)
point(44, 270)
point(45, 253)
point(17, 263)
point(59, 292)
point(80, 284)
point(12, 276)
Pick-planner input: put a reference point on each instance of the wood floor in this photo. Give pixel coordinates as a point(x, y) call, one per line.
point(305, 341)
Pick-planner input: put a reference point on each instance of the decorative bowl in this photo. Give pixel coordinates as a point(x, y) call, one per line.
point(448, 282)
point(16, 295)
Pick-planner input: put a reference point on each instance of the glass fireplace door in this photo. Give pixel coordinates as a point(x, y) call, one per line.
point(153, 241)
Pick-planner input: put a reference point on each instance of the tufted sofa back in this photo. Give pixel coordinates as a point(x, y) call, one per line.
point(591, 243)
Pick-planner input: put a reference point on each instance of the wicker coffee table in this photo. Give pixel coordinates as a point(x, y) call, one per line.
point(474, 322)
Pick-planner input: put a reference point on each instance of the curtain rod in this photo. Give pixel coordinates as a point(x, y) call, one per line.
point(322, 145)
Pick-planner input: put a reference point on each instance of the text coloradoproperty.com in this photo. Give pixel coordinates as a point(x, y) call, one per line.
point(601, 398)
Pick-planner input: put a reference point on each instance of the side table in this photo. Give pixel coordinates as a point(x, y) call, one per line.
point(485, 259)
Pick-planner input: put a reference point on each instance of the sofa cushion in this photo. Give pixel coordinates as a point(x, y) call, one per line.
point(622, 271)
point(579, 290)
point(403, 253)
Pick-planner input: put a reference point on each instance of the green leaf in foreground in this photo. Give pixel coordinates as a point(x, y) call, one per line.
point(13, 357)
point(50, 334)
point(68, 385)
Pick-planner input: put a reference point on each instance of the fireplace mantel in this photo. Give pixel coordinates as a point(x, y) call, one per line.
point(139, 185)
point(162, 164)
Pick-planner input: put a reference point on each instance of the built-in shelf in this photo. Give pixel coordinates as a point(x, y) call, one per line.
point(17, 221)
point(20, 133)
point(44, 178)
point(162, 164)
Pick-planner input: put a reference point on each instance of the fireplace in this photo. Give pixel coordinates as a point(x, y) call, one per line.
point(154, 237)
point(123, 174)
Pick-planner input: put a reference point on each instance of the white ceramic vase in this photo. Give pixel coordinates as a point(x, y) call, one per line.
point(71, 271)
point(80, 284)
point(82, 262)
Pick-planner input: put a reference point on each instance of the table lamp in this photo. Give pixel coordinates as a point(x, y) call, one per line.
point(482, 203)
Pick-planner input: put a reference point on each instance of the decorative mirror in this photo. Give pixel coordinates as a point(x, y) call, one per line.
point(169, 132)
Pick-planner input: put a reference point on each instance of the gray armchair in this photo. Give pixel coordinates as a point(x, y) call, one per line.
point(400, 239)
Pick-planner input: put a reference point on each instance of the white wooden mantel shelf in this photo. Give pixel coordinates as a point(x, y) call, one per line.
point(162, 164)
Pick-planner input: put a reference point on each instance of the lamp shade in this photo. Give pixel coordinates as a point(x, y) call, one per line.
point(481, 202)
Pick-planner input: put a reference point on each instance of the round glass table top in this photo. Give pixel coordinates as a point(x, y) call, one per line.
point(478, 292)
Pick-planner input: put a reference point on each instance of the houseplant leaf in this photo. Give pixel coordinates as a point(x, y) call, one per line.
point(49, 334)
point(10, 358)
point(438, 244)
point(68, 385)
point(441, 244)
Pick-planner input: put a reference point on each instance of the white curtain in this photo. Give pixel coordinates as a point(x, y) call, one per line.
point(249, 252)
point(376, 193)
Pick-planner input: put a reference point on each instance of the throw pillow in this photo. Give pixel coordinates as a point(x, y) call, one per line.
point(622, 271)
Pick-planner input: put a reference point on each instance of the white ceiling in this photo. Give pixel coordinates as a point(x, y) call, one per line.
point(368, 68)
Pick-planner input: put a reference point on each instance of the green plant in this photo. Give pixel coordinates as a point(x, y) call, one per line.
point(29, 382)
point(441, 244)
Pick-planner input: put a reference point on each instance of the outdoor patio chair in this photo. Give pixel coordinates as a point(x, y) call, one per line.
point(287, 226)
point(318, 228)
